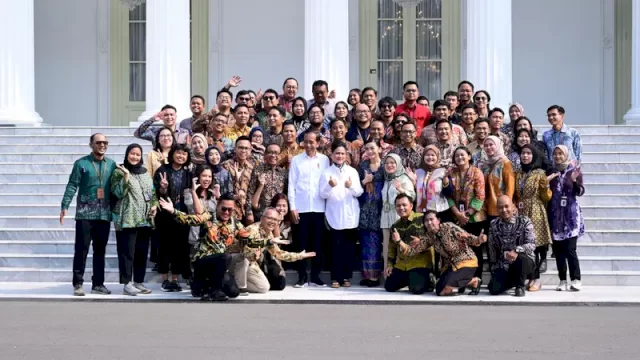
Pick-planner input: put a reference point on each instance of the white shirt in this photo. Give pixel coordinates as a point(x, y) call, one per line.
point(304, 179)
point(343, 209)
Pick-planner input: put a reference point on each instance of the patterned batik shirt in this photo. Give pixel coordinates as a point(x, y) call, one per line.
point(515, 234)
point(136, 197)
point(567, 136)
point(411, 226)
point(277, 179)
point(240, 185)
point(87, 176)
point(215, 237)
point(257, 239)
point(412, 157)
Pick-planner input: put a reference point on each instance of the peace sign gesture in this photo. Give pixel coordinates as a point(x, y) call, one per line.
point(195, 186)
point(164, 184)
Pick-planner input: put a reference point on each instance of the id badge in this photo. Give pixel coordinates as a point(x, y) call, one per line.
point(100, 193)
point(147, 197)
point(461, 207)
point(563, 201)
point(520, 205)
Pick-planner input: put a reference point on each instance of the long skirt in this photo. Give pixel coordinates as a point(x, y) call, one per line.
point(371, 244)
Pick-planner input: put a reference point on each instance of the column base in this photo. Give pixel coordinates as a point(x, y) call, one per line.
point(632, 117)
point(16, 117)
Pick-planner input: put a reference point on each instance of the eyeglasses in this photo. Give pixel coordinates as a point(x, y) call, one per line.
point(314, 113)
point(386, 106)
point(268, 98)
point(244, 148)
point(481, 99)
point(272, 152)
point(270, 218)
point(165, 136)
point(100, 143)
point(408, 132)
point(224, 98)
point(244, 98)
point(226, 209)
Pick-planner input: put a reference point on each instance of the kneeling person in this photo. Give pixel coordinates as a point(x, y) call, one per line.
point(407, 270)
point(512, 244)
point(258, 237)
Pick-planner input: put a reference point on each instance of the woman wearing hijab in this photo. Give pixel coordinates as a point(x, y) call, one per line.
point(429, 184)
point(531, 197)
point(222, 177)
point(198, 147)
point(515, 112)
point(133, 214)
point(565, 215)
point(396, 181)
point(499, 177)
point(257, 145)
point(300, 116)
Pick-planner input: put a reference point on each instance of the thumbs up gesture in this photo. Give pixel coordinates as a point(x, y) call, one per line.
point(348, 183)
point(332, 181)
point(482, 237)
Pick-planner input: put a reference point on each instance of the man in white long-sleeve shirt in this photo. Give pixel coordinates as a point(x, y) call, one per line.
point(307, 208)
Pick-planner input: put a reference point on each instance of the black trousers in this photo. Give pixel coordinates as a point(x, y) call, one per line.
point(503, 280)
point(155, 245)
point(209, 272)
point(541, 255)
point(174, 246)
point(417, 279)
point(565, 252)
point(342, 254)
point(273, 273)
point(308, 235)
point(133, 247)
point(88, 231)
point(475, 229)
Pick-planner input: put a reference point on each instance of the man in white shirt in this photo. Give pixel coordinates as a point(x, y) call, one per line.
point(307, 208)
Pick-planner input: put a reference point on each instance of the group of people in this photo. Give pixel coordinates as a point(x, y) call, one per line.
point(228, 196)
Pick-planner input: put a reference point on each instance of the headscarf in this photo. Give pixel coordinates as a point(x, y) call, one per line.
point(516, 104)
point(137, 168)
point(254, 130)
point(305, 115)
point(195, 158)
point(565, 164)
point(399, 168)
point(215, 168)
point(536, 159)
point(435, 149)
point(499, 155)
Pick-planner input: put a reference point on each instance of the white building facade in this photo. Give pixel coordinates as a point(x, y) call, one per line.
point(95, 62)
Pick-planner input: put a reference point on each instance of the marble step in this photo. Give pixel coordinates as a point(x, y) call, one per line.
point(616, 138)
point(611, 188)
point(616, 236)
point(51, 261)
point(548, 279)
point(84, 149)
point(34, 199)
point(66, 130)
point(611, 166)
point(603, 176)
point(33, 188)
point(611, 147)
point(611, 200)
point(611, 223)
point(598, 129)
point(603, 156)
point(66, 232)
point(35, 177)
point(609, 212)
point(58, 157)
point(64, 139)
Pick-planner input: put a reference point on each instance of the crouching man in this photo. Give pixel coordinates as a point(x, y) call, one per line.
point(265, 272)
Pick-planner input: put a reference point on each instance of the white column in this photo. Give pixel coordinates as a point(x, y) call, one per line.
point(17, 64)
point(167, 63)
point(488, 49)
point(326, 45)
point(633, 115)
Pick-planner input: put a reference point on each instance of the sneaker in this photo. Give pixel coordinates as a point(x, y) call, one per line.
point(175, 286)
point(218, 296)
point(130, 290)
point(166, 286)
point(142, 288)
point(562, 286)
point(100, 290)
point(576, 285)
point(78, 290)
point(520, 292)
point(302, 282)
point(317, 283)
point(243, 292)
point(543, 266)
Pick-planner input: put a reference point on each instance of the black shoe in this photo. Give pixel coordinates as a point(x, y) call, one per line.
point(374, 283)
point(543, 266)
point(476, 290)
point(461, 290)
point(175, 286)
point(302, 282)
point(243, 292)
point(365, 282)
point(218, 296)
point(166, 286)
point(520, 292)
point(100, 290)
point(317, 283)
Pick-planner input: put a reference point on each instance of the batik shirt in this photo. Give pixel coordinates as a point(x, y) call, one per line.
point(148, 132)
point(412, 157)
point(257, 239)
point(276, 182)
point(567, 136)
point(215, 237)
point(515, 234)
point(452, 243)
point(136, 197)
point(411, 226)
point(89, 174)
point(240, 185)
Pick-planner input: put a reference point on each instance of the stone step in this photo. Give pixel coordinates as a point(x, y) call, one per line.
point(66, 130)
point(66, 232)
point(609, 199)
point(36, 177)
point(616, 138)
point(36, 199)
point(83, 149)
point(605, 156)
point(608, 250)
point(611, 166)
point(610, 236)
point(64, 139)
point(604, 263)
point(548, 279)
point(609, 212)
point(44, 247)
point(611, 224)
point(57, 157)
point(33, 188)
point(598, 129)
point(609, 146)
point(51, 261)
point(599, 177)
point(612, 188)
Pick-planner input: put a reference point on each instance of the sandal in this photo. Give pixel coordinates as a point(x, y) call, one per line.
point(335, 284)
point(476, 290)
point(346, 283)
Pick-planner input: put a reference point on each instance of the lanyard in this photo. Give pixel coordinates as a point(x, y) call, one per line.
point(100, 175)
point(523, 182)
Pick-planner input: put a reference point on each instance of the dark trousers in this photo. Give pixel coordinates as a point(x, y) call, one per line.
point(541, 255)
point(273, 272)
point(133, 247)
point(86, 232)
point(155, 245)
point(565, 251)
point(342, 254)
point(475, 229)
point(174, 247)
point(308, 235)
point(503, 280)
point(209, 272)
point(417, 279)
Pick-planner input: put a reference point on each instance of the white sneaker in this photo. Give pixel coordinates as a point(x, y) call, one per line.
point(576, 285)
point(130, 289)
point(143, 289)
point(562, 286)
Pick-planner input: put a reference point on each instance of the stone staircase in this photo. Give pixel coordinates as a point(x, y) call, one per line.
point(35, 165)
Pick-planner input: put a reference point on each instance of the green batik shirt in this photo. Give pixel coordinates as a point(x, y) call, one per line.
point(135, 200)
point(412, 226)
point(86, 180)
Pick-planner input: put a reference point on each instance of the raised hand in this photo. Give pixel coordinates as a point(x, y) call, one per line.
point(166, 205)
point(158, 116)
point(357, 143)
point(368, 177)
point(395, 235)
point(397, 185)
point(195, 185)
point(216, 191)
point(482, 237)
point(332, 181)
point(412, 175)
point(553, 176)
point(332, 94)
point(307, 255)
point(234, 81)
point(575, 174)
point(125, 171)
point(278, 241)
point(348, 183)
point(163, 181)
point(262, 179)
